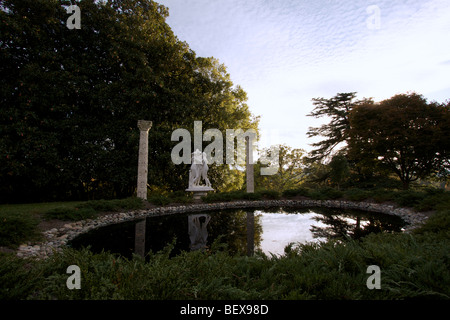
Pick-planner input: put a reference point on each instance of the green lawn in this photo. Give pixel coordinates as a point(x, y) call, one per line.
point(37, 208)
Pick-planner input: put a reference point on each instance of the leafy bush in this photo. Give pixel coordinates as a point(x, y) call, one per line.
point(132, 203)
point(180, 197)
point(100, 205)
point(73, 214)
point(439, 200)
point(408, 198)
point(356, 194)
point(252, 196)
point(326, 194)
point(296, 192)
point(438, 223)
point(269, 194)
point(89, 209)
point(381, 195)
point(17, 228)
point(159, 199)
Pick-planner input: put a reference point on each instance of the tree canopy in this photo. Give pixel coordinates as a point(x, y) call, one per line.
point(71, 98)
point(290, 164)
point(404, 134)
point(336, 131)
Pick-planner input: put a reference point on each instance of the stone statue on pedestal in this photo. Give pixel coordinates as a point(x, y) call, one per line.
point(197, 173)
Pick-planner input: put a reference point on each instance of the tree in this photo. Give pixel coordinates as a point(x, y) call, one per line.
point(404, 134)
point(71, 98)
point(339, 169)
point(336, 131)
point(290, 173)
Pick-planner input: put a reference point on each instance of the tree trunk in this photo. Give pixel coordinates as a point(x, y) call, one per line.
point(405, 185)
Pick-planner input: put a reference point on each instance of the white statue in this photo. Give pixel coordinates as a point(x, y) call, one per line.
point(199, 170)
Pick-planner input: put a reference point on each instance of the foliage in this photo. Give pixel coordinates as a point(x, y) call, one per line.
point(337, 130)
point(71, 99)
point(296, 192)
point(438, 223)
point(404, 134)
point(326, 193)
point(159, 199)
point(17, 228)
point(339, 169)
point(89, 209)
point(290, 164)
point(356, 194)
point(73, 214)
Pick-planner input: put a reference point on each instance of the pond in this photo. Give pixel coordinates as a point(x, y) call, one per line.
point(268, 230)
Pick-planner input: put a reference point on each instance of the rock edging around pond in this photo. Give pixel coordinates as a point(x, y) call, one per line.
point(56, 239)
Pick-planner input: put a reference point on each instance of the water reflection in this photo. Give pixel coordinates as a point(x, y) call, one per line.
point(354, 224)
point(243, 231)
point(197, 230)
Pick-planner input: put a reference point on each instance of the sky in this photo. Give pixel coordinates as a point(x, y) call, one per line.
point(284, 53)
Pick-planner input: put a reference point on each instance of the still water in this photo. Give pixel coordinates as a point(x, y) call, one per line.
point(243, 231)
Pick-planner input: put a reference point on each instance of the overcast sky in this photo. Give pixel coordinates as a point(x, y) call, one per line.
point(283, 53)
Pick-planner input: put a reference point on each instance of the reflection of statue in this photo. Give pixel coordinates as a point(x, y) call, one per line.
point(198, 233)
point(199, 170)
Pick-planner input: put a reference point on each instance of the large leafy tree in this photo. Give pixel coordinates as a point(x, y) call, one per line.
point(405, 134)
point(336, 131)
point(290, 164)
point(70, 99)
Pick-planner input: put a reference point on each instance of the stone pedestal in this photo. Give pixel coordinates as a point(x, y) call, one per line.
point(144, 127)
point(199, 192)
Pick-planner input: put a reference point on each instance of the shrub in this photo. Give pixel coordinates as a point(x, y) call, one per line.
point(17, 228)
point(381, 195)
point(434, 201)
point(437, 223)
point(269, 194)
point(326, 194)
point(408, 198)
point(252, 196)
point(132, 203)
point(73, 214)
point(159, 199)
point(356, 194)
point(100, 205)
point(296, 192)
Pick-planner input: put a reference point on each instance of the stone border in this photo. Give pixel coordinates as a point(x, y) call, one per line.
point(56, 239)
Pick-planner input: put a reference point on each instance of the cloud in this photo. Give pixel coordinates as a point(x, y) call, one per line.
point(284, 53)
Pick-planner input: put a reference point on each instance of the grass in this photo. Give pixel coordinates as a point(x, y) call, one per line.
point(18, 223)
point(36, 208)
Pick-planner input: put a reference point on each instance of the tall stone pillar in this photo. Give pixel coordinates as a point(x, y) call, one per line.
point(144, 127)
point(249, 165)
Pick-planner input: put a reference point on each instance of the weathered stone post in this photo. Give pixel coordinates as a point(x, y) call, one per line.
point(144, 127)
point(249, 165)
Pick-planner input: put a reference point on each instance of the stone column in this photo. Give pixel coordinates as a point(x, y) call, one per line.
point(249, 166)
point(139, 238)
point(144, 127)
